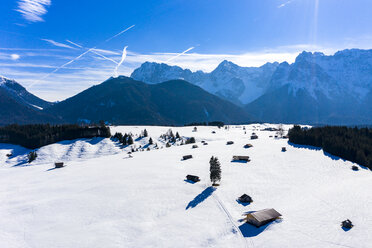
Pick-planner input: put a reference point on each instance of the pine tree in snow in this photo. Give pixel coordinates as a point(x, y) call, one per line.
point(215, 170)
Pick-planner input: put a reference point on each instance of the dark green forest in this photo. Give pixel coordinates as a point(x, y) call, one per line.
point(38, 135)
point(354, 144)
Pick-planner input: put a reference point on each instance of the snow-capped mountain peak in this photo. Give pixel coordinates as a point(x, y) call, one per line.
point(230, 81)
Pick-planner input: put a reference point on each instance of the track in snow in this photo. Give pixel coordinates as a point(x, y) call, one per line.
point(222, 206)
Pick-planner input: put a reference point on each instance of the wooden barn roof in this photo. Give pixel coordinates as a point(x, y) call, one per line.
point(265, 214)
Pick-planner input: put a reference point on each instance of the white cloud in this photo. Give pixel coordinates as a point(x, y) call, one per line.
point(58, 44)
point(14, 56)
point(33, 10)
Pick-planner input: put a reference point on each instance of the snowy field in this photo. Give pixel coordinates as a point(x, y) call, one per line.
point(103, 198)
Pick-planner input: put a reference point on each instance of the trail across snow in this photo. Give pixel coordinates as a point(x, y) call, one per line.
point(103, 198)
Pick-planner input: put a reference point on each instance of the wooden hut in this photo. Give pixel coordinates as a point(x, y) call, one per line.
point(230, 142)
point(254, 136)
point(248, 145)
point(193, 178)
point(186, 157)
point(262, 217)
point(245, 198)
point(241, 158)
point(347, 224)
point(58, 164)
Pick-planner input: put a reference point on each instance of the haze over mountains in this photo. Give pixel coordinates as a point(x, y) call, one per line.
point(315, 89)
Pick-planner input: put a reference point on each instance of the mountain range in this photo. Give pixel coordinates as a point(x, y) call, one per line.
point(315, 89)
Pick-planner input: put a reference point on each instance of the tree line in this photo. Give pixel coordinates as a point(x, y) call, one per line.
point(354, 144)
point(212, 123)
point(38, 135)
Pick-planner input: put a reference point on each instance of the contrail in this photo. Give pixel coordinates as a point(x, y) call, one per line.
point(184, 52)
point(123, 56)
point(125, 30)
point(73, 43)
point(93, 51)
point(78, 57)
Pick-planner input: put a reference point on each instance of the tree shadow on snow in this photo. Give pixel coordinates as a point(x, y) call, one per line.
point(314, 148)
point(94, 141)
point(201, 197)
point(333, 157)
point(18, 152)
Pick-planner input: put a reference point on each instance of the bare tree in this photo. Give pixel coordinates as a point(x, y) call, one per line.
point(280, 131)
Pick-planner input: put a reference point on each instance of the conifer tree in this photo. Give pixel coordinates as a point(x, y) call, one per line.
point(150, 141)
point(125, 139)
point(215, 170)
point(130, 140)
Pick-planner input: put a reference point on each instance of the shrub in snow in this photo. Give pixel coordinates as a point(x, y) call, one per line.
point(31, 156)
point(190, 140)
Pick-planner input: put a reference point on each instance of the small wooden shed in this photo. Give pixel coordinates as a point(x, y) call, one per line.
point(347, 224)
point(58, 164)
point(230, 142)
point(241, 158)
point(245, 198)
point(262, 217)
point(186, 157)
point(193, 178)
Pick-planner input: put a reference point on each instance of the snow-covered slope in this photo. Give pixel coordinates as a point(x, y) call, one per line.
point(103, 198)
point(21, 95)
point(238, 84)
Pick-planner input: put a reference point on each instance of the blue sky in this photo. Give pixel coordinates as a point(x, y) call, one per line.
point(35, 35)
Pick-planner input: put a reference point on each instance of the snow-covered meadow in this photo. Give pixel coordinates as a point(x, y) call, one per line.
point(104, 198)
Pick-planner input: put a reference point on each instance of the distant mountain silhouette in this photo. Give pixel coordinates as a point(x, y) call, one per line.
point(124, 100)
